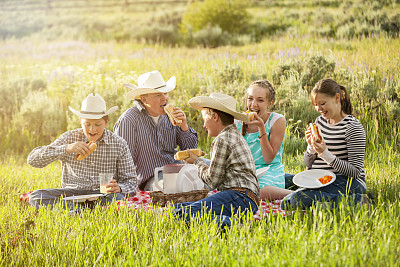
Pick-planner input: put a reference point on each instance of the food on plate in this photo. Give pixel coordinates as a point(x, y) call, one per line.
point(316, 133)
point(250, 114)
point(184, 154)
point(92, 147)
point(169, 109)
point(326, 179)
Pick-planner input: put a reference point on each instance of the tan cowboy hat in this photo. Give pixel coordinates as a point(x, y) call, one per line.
point(150, 83)
point(220, 102)
point(93, 107)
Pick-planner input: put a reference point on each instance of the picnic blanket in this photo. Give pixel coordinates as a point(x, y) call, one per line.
point(142, 202)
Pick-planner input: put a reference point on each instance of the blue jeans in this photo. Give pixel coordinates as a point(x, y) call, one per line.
point(289, 181)
point(51, 197)
point(221, 207)
point(340, 189)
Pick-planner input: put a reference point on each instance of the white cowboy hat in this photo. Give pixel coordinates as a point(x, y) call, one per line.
point(149, 83)
point(93, 107)
point(220, 102)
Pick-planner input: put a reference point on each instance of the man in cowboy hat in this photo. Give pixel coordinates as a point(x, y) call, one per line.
point(232, 169)
point(151, 137)
point(81, 177)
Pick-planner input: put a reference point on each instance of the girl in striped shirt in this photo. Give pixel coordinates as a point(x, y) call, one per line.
point(342, 150)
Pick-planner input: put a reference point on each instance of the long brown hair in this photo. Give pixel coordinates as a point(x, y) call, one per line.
point(331, 88)
point(270, 95)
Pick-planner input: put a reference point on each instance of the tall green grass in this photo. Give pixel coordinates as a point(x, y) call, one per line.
point(346, 236)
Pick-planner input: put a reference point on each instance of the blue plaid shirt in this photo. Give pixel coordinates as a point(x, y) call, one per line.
point(152, 145)
point(111, 156)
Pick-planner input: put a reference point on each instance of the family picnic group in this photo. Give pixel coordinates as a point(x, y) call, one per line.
point(144, 138)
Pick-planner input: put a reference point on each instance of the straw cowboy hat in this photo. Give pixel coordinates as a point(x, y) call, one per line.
point(220, 102)
point(93, 107)
point(150, 83)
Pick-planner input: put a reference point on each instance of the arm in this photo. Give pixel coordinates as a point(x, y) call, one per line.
point(186, 140)
point(270, 147)
point(356, 140)
point(126, 129)
point(42, 156)
point(354, 166)
point(126, 171)
point(214, 175)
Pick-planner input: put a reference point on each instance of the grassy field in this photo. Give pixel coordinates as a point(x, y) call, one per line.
point(347, 236)
point(52, 59)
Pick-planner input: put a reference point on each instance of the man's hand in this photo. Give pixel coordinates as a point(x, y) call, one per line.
point(113, 187)
point(80, 148)
point(192, 157)
point(180, 115)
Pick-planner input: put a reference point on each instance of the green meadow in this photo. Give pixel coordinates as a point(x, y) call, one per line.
point(53, 58)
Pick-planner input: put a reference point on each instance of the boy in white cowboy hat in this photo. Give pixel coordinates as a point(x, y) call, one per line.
point(151, 137)
point(232, 169)
point(81, 177)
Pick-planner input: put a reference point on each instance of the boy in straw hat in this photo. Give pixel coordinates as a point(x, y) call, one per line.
point(151, 137)
point(81, 177)
point(232, 169)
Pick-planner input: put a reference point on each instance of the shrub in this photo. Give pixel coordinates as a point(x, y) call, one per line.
point(230, 15)
point(310, 70)
point(41, 116)
point(230, 73)
point(214, 22)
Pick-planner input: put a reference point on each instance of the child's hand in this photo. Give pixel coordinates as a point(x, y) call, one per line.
point(192, 157)
point(257, 121)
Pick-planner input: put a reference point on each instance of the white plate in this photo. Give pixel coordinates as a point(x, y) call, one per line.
point(309, 178)
point(83, 198)
point(188, 179)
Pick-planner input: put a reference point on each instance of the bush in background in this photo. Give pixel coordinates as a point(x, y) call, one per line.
point(214, 22)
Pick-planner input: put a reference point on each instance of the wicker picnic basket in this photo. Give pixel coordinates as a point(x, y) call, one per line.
point(161, 199)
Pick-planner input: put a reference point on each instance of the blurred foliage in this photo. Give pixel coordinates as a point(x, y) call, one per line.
point(208, 23)
point(214, 22)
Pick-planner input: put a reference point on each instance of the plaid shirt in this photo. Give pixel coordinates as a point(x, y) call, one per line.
point(111, 156)
point(232, 164)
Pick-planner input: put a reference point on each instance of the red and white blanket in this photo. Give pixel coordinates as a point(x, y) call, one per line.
point(142, 201)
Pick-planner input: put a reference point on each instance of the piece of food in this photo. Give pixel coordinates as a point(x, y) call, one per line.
point(326, 179)
point(169, 109)
point(92, 147)
point(250, 114)
point(184, 154)
point(316, 133)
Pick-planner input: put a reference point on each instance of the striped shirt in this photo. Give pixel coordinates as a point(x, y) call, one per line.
point(232, 164)
point(111, 156)
point(345, 142)
point(152, 145)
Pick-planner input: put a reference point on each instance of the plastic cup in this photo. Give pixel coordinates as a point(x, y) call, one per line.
point(105, 178)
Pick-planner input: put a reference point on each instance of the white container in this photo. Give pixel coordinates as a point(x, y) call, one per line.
point(170, 175)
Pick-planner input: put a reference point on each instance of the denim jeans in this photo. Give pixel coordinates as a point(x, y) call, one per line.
point(340, 189)
point(289, 181)
point(51, 197)
point(221, 207)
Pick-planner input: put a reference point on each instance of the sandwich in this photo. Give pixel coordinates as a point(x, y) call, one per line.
point(92, 148)
point(316, 133)
point(184, 154)
point(169, 109)
point(250, 114)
